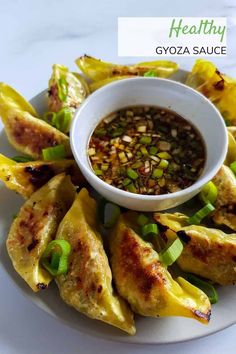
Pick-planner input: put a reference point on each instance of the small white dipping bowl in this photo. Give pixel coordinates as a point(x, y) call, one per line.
point(183, 100)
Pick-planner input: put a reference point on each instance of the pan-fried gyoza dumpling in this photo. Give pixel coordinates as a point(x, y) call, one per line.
point(88, 284)
point(66, 89)
point(231, 152)
point(145, 282)
point(207, 252)
point(217, 87)
point(225, 213)
point(26, 177)
point(35, 226)
point(10, 97)
point(96, 69)
point(28, 134)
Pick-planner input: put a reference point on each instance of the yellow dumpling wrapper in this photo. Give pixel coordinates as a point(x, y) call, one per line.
point(207, 252)
point(27, 133)
point(225, 205)
point(145, 282)
point(87, 286)
point(97, 70)
point(25, 178)
point(66, 89)
point(217, 87)
point(35, 226)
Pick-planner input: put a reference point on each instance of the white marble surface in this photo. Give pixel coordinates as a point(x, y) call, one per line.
point(33, 36)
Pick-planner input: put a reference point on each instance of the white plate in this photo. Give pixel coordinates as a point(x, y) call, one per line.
point(149, 330)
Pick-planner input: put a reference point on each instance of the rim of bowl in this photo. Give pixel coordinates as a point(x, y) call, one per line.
point(196, 185)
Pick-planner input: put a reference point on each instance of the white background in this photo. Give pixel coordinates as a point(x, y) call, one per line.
point(33, 36)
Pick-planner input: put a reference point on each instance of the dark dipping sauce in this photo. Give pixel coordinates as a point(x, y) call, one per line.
point(147, 150)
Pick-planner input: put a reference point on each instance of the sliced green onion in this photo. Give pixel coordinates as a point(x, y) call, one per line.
point(201, 214)
point(143, 150)
point(62, 89)
point(100, 132)
point(55, 257)
point(49, 116)
point(209, 193)
point(62, 120)
point(122, 157)
point(126, 181)
point(146, 140)
point(129, 113)
point(153, 150)
point(54, 153)
point(233, 167)
point(157, 173)
point(131, 188)
point(104, 167)
point(150, 73)
point(137, 164)
point(206, 287)
point(172, 252)
point(142, 219)
point(117, 132)
point(63, 245)
point(150, 230)
point(22, 158)
point(108, 214)
point(164, 155)
point(142, 128)
point(98, 172)
point(163, 164)
point(132, 174)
